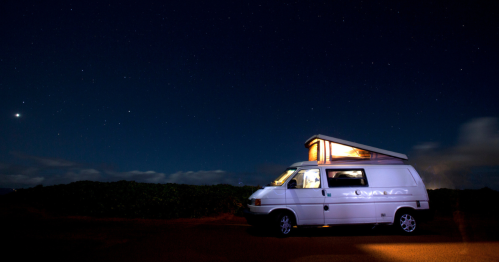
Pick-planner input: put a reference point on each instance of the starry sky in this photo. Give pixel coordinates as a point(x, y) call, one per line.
point(205, 92)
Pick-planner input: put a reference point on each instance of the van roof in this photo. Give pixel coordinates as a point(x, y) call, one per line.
point(356, 145)
point(344, 164)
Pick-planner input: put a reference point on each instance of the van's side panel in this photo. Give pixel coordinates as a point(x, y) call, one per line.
point(390, 177)
point(395, 187)
point(418, 179)
point(348, 205)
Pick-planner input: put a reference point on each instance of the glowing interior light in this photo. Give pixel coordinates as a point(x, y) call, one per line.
point(311, 179)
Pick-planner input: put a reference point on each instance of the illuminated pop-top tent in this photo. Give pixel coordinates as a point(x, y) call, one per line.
point(330, 150)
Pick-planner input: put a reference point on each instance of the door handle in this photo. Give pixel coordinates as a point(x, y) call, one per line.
point(358, 192)
point(323, 192)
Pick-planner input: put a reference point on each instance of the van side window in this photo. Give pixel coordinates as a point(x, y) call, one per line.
point(308, 178)
point(346, 178)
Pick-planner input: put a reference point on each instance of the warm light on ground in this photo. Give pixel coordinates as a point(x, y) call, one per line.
point(482, 251)
point(477, 251)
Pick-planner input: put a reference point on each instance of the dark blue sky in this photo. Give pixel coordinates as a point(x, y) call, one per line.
point(234, 86)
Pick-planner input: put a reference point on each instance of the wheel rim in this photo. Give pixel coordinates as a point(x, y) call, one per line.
point(285, 225)
point(407, 223)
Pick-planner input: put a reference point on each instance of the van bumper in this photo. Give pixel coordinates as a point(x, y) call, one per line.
point(256, 219)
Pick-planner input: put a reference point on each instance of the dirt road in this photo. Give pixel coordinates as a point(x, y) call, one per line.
point(228, 238)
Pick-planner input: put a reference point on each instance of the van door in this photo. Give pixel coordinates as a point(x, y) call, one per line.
point(348, 197)
point(306, 197)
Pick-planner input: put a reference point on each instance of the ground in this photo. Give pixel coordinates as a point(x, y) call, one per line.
point(34, 234)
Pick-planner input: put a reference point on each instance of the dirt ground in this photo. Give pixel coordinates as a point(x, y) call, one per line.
point(33, 234)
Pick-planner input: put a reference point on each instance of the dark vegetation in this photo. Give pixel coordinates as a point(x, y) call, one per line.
point(481, 202)
point(130, 199)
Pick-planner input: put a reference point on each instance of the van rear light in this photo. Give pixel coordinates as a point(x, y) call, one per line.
point(258, 202)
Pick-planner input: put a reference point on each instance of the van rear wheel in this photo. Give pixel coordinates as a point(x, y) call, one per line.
point(406, 223)
point(283, 224)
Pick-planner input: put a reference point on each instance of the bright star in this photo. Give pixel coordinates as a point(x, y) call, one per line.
point(18, 115)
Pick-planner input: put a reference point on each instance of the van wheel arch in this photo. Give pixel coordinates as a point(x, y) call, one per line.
point(274, 213)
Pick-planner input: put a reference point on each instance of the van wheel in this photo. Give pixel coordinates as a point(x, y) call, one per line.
point(284, 224)
point(406, 222)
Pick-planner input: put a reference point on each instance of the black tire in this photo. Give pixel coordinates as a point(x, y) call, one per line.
point(284, 224)
point(406, 223)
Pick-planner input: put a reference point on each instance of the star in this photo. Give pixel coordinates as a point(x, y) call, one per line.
point(18, 115)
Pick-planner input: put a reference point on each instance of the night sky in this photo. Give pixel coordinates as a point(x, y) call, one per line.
point(206, 92)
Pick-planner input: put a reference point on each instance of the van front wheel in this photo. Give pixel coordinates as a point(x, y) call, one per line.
point(406, 222)
point(284, 224)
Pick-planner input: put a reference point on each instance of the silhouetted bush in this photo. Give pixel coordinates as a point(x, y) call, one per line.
point(135, 200)
point(142, 200)
point(444, 202)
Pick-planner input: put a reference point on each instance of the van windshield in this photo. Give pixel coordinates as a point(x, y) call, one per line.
point(282, 178)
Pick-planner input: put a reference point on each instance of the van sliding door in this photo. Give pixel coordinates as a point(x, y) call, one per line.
point(348, 197)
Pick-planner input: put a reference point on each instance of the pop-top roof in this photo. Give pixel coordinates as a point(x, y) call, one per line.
point(363, 151)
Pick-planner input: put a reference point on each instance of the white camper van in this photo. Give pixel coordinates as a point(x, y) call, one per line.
point(342, 183)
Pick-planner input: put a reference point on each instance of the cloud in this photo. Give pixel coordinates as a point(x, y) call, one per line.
point(53, 171)
point(472, 163)
point(138, 176)
point(426, 146)
point(77, 175)
point(21, 180)
point(47, 161)
point(200, 177)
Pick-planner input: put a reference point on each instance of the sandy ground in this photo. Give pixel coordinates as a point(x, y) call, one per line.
point(32, 234)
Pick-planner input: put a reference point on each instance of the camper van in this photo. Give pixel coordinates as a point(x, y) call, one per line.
point(342, 183)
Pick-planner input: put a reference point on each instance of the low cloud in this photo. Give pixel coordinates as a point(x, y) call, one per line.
point(190, 177)
point(36, 170)
point(20, 180)
point(472, 163)
point(47, 161)
point(198, 178)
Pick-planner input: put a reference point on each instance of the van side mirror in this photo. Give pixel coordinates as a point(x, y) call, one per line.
point(292, 184)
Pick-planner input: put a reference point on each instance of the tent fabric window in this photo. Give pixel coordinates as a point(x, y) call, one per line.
point(313, 152)
point(329, 150)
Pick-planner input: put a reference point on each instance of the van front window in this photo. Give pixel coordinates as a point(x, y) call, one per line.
point(282, 178)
